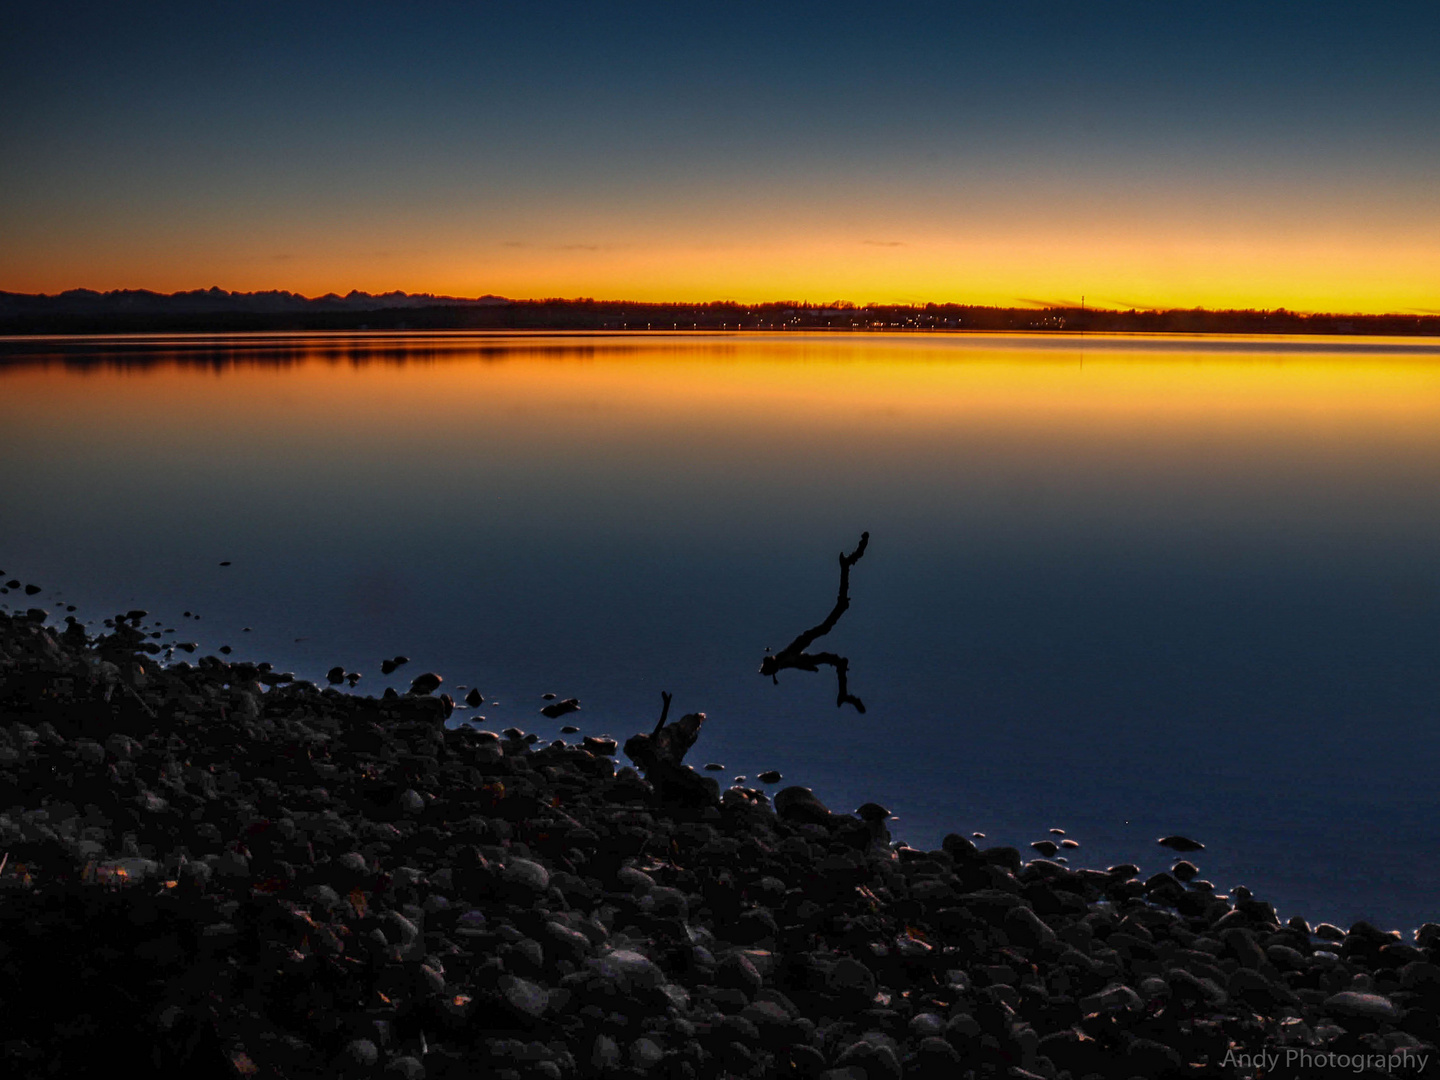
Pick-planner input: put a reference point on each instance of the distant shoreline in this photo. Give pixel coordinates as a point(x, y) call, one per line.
point(216, 311)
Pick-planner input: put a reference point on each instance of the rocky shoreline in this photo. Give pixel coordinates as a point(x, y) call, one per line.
point(212, 868)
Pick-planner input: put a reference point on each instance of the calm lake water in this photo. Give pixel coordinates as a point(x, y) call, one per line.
point(1120, 586)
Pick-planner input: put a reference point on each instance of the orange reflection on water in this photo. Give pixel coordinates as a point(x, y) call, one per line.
point(564, 389)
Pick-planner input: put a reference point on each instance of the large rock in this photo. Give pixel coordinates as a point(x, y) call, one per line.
point(526, 876)
point(1355, 1005)
point(800, 804)
point(629, 970)
point(527, 999)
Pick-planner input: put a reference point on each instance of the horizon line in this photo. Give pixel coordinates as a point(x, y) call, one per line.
point(838, 305)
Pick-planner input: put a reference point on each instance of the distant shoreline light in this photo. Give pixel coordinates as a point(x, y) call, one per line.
point(218, 310)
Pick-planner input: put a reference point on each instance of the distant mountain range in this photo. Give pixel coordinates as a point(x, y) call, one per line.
point(215, 301)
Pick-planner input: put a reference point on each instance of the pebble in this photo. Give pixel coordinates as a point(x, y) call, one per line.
point(528, 875)
point(630, 970)
point(353, 862)
point(474, 699)
point(525, 997)
point(1180, 843)
point(600, 744)
point(605, 1053)
point(636, 881)
point(1364, 1006)
point(926, 1024)
point(738, 972)
point(645, 1054)
point(362, 1052)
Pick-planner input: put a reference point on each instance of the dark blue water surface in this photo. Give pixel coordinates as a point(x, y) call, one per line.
point(1125, 587)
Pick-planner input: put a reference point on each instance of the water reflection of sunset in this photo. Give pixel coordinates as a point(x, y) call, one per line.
point(1101, 547)
point(563, 388)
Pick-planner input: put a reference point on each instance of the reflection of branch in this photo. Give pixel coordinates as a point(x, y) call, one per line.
point(794, 654)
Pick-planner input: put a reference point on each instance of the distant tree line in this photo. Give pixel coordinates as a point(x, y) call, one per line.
point(214, 311)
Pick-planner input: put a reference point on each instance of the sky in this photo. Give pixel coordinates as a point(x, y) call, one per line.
point(1138, 155)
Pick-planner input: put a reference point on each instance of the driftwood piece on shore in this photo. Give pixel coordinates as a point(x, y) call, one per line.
point(794, 654)
point(661, 757)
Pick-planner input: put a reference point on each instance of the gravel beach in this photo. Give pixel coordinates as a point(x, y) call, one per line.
point(212, 868)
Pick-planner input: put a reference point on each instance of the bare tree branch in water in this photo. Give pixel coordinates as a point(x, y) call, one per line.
point(794, 654)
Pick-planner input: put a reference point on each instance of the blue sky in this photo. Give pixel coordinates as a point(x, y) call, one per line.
point(498, 147)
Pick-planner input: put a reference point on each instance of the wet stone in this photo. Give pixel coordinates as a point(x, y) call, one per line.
point(629, 969)
point(1352, 1004)
point(802, 805)
point(602, 745)
point(1180, 843)
point(525, 997)
point(362, 1053)
point(645, 1054)
point(873, 812)
point(737, 972)
point(605, 1053)
point(527, 875)
point(925, 1024)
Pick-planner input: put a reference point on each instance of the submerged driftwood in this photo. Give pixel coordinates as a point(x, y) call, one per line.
point(794, 654)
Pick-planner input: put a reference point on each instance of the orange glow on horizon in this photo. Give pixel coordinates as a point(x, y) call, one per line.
point(1152, 254)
